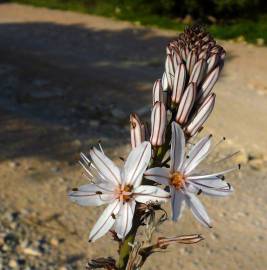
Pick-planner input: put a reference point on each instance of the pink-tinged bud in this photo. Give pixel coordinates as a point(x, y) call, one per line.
point(208, 84)
point(164, 242)
point(157, 92)
point(202, 115)
point(203, 54)
point(186, 104)
point(137, 130)
point(191, 61)
point(177, 59)
point(169, 70)
point(179, 83)
point(158, 124)
point(164, 82)
point(198, 72)
point(213, 61)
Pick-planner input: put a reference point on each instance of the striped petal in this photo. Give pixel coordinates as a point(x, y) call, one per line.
point(179, 83)
point(124, 219)
point(106, 167)
point(105, 222)
point(146, 194)
point(198, 72)
point(186, 104)
point(177, 148)
point(177, 204)
point(136, 164)
point(197, 154)
point(159, 175)
point(197, 209)
point(202, 115)
point(158, 124)
point(92, 194)
point(137, 130)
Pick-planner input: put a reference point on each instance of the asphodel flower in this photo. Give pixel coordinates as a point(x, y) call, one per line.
point(184, 182)
point(158, 124)
point(120, 188)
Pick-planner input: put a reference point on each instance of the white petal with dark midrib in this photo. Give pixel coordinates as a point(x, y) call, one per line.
point(107, 168)
point(106, 221)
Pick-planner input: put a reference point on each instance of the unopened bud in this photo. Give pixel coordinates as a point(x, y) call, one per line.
point(213, 61)
point(158, 124)
point(164, 82)
point(202, 115)
point(186, 104)
point(157, 92)
point(191, 61)
point(198, 72)
point(208, 84)
point(169, 70)
point(179, 83)
point(137, 130)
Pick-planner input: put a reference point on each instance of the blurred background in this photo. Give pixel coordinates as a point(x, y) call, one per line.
point(70, 74)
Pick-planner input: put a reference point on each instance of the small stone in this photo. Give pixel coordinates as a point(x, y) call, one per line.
point(31, 252)
point(256, 164)
point(54, 242)
point(13, 264)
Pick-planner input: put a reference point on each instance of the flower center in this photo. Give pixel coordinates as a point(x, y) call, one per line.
point(125, 193)
point(177, 180)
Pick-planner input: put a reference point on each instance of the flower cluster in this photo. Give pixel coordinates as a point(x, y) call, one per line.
point(161, 166)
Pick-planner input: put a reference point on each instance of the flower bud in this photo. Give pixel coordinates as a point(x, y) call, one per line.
point(169, 70)
point(179, 83)
point(164, 82)
point(158, 124)
point(186, 104)
point(157, 92)
point(208, 84)
point(198, 72)
point(191, 61)
point(202, 115)
point(137, 130)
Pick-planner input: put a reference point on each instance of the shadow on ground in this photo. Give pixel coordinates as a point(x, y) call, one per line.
point(64, 86)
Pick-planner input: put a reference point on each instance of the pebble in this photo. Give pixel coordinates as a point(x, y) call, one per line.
point(31, 252)
point(13, 264)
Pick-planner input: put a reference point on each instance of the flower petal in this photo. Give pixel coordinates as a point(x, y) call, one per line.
point(106, 221)
point(197, 154)
point(177, 147)
point(92, 194)
point(159, 175)
point(145, 194)
point(213, 186)
point(136, 164)
point(177, 204)
point(124, 219)
point(107, 168)
point(197, 209)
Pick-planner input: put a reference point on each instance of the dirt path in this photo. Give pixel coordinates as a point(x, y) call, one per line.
point(67, 80)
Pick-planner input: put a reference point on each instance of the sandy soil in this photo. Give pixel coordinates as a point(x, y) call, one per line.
point(68, 80)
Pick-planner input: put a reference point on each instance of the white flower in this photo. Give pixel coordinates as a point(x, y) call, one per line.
point(120, 188)
point(182, 180)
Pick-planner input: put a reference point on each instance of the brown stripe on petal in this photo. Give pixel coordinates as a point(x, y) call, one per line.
point(198, 72)
point(169, 69)
point(157, 92)
point(208, 84)
point(212, 62)
point(179, 83)
point(137, 135)
point(201, 116)
point(191, 60)
point(186, 104)
point(158, 123)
